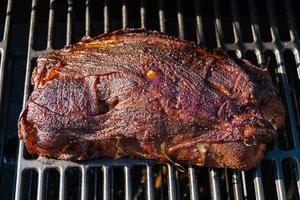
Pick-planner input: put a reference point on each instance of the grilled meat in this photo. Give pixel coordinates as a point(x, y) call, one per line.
point(145, 94)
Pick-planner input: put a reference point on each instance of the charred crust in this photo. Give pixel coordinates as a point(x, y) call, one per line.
point(127, 92)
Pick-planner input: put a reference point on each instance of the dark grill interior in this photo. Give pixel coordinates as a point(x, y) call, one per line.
point(263, 31)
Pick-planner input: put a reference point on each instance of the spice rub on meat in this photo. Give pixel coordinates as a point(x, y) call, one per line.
point(144, 94)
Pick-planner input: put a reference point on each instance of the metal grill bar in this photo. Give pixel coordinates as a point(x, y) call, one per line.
point(106, 16)
point(171, 183)
point(69, 22)
point(256, 47)
point(19, 173)
point(3, 53)
point(297, 173)
point(199, 28)
point(161, 14)
point(291, 21)
point(278, 50)
point(236, 181)
point(218, 25)
point(143, 14)
point(62, 182)
point(124, 14)
point(6, 31)
point(236, 29)
point(87, 18)
point(279, 182)
point(128, 187)
point(227, 183)
point(29, 54)
point(244, 185)
point(180, 19)
point(257, 180)
point(281, 70)
point(235, 23)
point(26, 94)
point(150, 192)
point(40, 187)
point(193, 184)
point(214, 184)
point(84, 183)
point(273, 27)
point(106, 183)
point(50, 25)
point(258, 186)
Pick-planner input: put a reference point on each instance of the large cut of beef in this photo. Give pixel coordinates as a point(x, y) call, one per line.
point(144, 94)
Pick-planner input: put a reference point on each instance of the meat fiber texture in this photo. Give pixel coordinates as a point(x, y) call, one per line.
point(138, 93)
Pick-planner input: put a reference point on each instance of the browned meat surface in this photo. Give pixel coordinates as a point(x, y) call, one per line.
point(145, 94)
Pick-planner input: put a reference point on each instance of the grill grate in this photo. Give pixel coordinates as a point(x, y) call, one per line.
point(275, 50)
point(3, 61)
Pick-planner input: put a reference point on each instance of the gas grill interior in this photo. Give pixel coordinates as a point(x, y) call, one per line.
point(262, 31)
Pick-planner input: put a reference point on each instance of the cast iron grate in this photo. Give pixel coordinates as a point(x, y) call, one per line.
point(264, 32)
